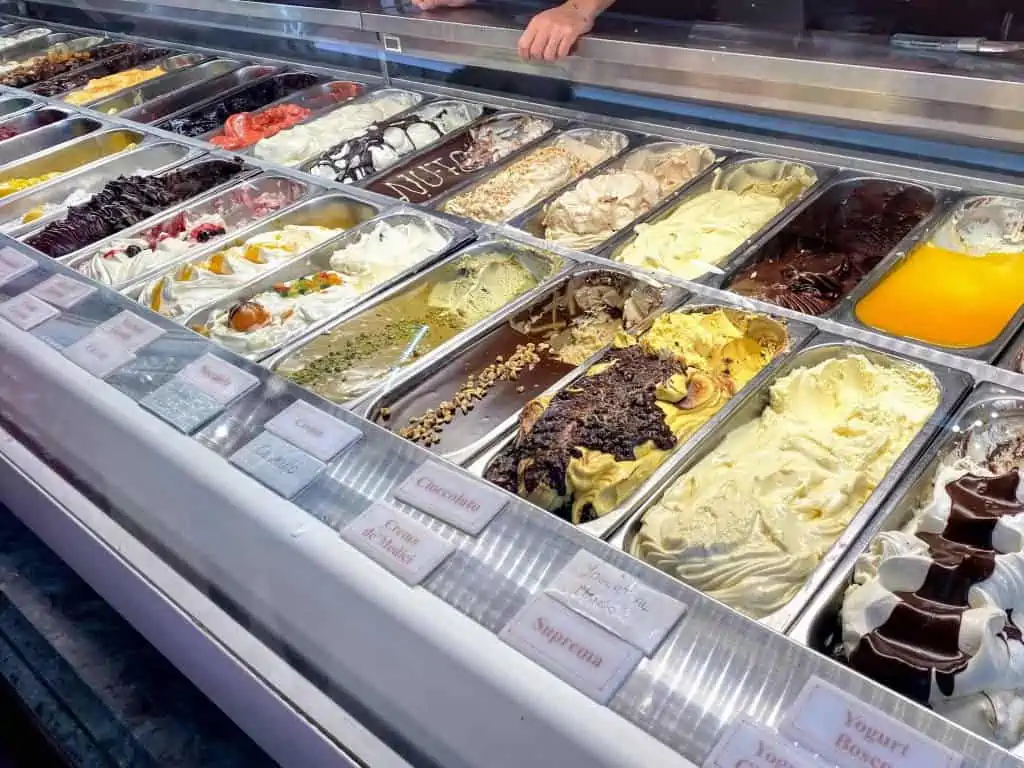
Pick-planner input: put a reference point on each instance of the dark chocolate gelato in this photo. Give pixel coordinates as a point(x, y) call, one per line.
point(110, 65)
point(256, 96)
point(824, 253)
point(126, 201)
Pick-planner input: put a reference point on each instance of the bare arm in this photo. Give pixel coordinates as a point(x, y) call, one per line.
point(551, 34)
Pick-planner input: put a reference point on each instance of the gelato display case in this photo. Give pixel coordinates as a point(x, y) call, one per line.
point(430, 407)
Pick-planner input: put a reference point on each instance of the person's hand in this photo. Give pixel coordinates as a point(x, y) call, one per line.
point(429, 5)
point(550, 34)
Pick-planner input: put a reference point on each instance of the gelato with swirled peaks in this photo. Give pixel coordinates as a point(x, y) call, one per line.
point(601, 205)
point(751, 521)
point(583, 451)
point(700, 234)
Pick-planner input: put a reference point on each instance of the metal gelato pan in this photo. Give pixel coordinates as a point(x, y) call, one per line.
point(604, 526)
point(835, 195)
point(172, 65)
point(69, 157)
point(75, 78)
point(15, 105)
point(150, 158)
point(615, 141)
point(228, 200)
point(34, 45)
point(952, 386)
point(497, 411)
point(33, 121)
point(532, 221)
point(318, 260)
point(953, 207)
point(186, 97)
point(19, 148)
point(990, 414)
point(730, 170)
point(542, 266)
point(335, 211)
point(177, 77)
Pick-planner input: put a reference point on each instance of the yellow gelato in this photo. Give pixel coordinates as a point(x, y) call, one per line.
point(583, 451)
point(702, 232)
point(751, 521)
point(11, 186)
point(101, 87)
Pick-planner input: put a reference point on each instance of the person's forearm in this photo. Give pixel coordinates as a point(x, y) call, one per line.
point(589, 8)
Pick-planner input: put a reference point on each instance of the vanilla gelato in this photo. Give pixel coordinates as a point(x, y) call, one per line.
point(751, 521)
point(193, 285)
point(536, 175)
point(306, 141)
point(599, 206)
point(701, 233)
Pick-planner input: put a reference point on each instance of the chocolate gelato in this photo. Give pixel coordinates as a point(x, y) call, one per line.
point(822, 255)
point(256, 96)
point(59, 62)
point(126, 201)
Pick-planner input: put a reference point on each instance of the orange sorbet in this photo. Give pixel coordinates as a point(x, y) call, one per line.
point(947, 298)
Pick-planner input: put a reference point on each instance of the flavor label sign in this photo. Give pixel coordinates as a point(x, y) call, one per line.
point(617, 601)
point(843, 729)
point(394, 540)
point(752, 746)
point(62, 291)
point(312, 430)
point(13, 264)
point(131, 330)
point(584, 655)
point(26, 311)
point(99, 354)
point(277, 464)
point(217, 378)
point(452, 497)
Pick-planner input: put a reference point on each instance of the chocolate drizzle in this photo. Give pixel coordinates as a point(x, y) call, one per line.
point(353, 160)
point(921, 636)
point(126, 201)
point(823, 254)
point(613, 411)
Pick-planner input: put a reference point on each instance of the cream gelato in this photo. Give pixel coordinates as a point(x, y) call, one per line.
point(751, 521)
point(256, 325)
point(582, 452)
point(601, 205)
point(536, 175)
point(700, 234)
point(358, 354)
point(933, 607)
point(306, 141)
point(191, 286)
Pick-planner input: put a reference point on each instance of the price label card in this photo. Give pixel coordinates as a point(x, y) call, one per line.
point(617, 601)
point(218, 379)
point(444, 493)
point(277, 464)
point(62, 291)
point(99, 354)
point(26, 311)
point(312, 430)
point(845, 730)
point(589, 658)
point(394, 540)
point(13, 264)
point(181, 405)
point(752, 746)
point(132, 331)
